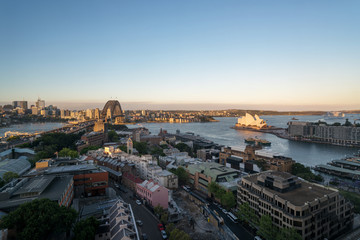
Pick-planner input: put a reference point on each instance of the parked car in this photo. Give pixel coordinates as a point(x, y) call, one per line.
point(144, 236)
point(139, 222)
point(257, 238)
point(161, 227)
point(138, 202)
point(163, 234)
point(224, 211)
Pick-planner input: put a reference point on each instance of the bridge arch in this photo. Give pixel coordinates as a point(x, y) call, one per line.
point(111, 109)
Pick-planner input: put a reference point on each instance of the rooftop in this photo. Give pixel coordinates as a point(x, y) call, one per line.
point(211, 169)
point(308, 192)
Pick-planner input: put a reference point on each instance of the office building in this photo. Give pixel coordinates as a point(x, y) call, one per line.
point(314, 211)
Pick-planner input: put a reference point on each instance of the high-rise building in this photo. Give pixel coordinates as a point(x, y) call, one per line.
point(20, 104)
point(40, 103)
point(314, 211)
point(34, 110)
point(97, 113)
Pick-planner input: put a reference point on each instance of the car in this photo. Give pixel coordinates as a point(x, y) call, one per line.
point(138, 202)
point(163, 234)
point(161, 227)
point(257, 238)
point(139, 222)
point(144, 236)
point(224, 211)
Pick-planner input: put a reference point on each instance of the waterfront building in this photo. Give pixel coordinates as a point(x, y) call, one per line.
point(249, 121)
point(56, 188)
point(273, 161)
point(204, 173)
point(321, 132)
point(153, 193)
point(314, 211)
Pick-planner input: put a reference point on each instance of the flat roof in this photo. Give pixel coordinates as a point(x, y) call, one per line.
point(308, 192)
point(339, 169)
point(35, 185)
point(211, 169)
point(351, 163)
point(71, 168)
point(53, 191)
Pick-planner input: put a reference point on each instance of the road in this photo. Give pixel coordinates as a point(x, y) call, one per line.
point(236, 228)
point(141, 213)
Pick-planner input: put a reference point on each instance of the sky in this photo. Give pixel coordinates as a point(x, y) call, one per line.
point(280, 55)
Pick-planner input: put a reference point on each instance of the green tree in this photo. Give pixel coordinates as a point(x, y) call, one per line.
point(184, 148)
point(123, 148)
point(141, 147)
point(157, 151)
point(86, 229)
point(38, 219)
point(288, 233)
point(159, 210)
point(182, 174)
point(85, 150)
point(164, 218)
point(169, 228)
point(66, 152)
point(228, 200)
point(8, 176)
point(300, 170)
point(177, 234)
point(248, 215)
point(113, 136)
point(266, 228)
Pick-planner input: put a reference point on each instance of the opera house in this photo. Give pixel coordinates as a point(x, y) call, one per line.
point(251, 122)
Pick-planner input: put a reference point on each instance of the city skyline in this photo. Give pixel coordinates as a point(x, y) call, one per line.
point(200, 56)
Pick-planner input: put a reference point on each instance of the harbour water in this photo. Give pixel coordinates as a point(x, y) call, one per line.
point(31, 127)
point(309, 154)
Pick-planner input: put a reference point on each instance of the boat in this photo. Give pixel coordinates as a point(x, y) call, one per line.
point(294, 118)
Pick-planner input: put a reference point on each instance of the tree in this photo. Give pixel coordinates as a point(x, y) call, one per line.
point(216, 190)
point(66, 152)
point(141, 147)
point(300, 170)
point(38, 219)
point(164, 218)
point(159, 210)
point(177, 234)
point(123, 148)
point(266, 228)
point(113, 136)
point(228, 200)
point(85, 229)
point(248, 215)
point(169, 228)
point(288, 233)
point(347, 123)
point(184, 148)
point(85, 150)
point(8, 176)
point(182, 174)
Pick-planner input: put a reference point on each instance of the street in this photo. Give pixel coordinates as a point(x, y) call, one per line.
point(141, 213)
point(236, 228)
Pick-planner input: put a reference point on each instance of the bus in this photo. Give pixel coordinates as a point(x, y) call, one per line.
point(232, 217)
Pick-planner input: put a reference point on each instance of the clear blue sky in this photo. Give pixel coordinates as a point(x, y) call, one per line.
point(266, 54)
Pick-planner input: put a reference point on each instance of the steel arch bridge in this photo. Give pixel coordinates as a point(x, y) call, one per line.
point(115, 108)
